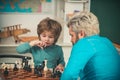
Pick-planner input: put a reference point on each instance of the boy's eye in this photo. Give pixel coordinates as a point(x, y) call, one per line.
point(44, 35)
point(48, 36)
point(51, 36)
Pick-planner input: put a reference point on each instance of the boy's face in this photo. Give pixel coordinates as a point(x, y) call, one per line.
point(47, 37)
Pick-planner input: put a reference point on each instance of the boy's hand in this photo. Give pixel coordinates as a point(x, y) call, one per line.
point(38, 43)
point(60, 68)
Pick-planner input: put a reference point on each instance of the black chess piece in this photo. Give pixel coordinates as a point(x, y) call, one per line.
point(56, 73)
point(26, 66)
point(15, 67)
point(6, 72)
point(53, 73)
point(39, 68)
point(35, 70)
point(29, 68)
point(39, 73)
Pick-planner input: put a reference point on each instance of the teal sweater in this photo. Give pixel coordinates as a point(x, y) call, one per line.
point(53, 54)
point(93, 58)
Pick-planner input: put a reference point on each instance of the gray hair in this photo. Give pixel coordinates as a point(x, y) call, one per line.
point(85, 21)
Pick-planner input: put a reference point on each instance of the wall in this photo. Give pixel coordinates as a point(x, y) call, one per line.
point(108, 13)
point(28, 20)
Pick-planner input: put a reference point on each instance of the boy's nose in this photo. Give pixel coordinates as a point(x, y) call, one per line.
point(46, 39)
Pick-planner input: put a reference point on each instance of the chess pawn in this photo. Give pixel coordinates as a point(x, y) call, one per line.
point(19, 64)
point(15, 67)
point(3, 66)
point(29, 69)
point(26, 64)
point(45, 68)
point(6, 71)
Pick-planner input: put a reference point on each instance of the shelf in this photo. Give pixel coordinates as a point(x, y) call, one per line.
point(9, 45)
point(76, 1)
point(15, 45)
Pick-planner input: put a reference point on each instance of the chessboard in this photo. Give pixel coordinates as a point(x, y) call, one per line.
point(22, 74)
point(24, 71)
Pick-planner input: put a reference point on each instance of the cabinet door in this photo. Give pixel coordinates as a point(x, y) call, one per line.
point(71, 7)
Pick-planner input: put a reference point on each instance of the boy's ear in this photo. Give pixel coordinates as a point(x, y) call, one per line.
point(81, 34)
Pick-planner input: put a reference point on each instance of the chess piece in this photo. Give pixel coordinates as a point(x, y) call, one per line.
point(19, 64)
point(29, 68)
point(39, 73)
point(45, 68)
point(35, 70)
point(41, 66)
point(15, 67)
point(6, 71)
point(39, 69)
point(56, 73)
point(3, 66)
point(26, 66)
point(23, 61)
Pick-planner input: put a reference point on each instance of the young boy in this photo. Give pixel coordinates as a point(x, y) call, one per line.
point(48, 31)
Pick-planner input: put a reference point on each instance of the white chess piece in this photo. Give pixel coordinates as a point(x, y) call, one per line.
point(19, 64)
point(45, 68)
point(3, 65)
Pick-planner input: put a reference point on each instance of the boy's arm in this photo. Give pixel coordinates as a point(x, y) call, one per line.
point(23, 48)
point(61, 62)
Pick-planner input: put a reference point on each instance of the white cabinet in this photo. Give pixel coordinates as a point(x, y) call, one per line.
point(72, 6)
point(64, 10)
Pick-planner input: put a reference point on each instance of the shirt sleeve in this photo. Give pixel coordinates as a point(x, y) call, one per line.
point(61, 57)
point(23, 48)
point(80, 55)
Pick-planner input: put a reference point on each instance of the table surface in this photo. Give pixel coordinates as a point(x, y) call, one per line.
point(24, 75)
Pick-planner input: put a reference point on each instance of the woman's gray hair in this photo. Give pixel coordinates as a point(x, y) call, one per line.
point(85, 21)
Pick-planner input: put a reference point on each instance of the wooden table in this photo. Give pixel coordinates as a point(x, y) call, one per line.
point(24, 75)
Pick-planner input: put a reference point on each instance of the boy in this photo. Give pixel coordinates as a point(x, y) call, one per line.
point(48, 31)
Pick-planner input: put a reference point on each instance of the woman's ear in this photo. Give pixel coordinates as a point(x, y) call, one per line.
point(81, 34)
